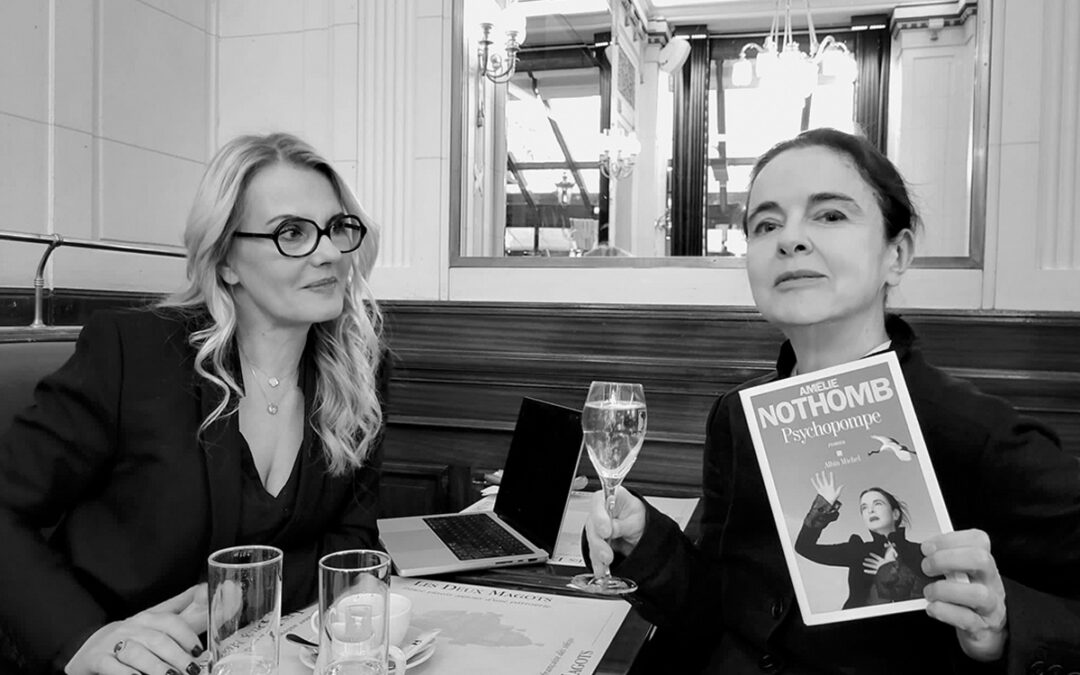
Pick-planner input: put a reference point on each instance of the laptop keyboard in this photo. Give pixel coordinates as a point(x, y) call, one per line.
point(475, 535)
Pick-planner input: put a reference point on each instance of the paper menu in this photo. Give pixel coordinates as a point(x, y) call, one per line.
point(493, 630)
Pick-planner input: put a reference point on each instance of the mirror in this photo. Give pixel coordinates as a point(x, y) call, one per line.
point(631, 135)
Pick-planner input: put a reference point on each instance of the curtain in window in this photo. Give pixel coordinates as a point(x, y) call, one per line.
point(871, 49)
point(690, 153)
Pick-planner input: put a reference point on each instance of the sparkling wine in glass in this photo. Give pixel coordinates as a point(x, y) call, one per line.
point(613, 423)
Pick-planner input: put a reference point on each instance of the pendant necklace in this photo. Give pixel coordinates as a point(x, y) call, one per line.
point(274, 382)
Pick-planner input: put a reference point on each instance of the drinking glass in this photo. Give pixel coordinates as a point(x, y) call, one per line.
point(614, 423)
point(354, 626)
point(244, 584)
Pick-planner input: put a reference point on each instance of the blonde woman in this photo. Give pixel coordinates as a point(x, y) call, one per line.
point(245, 409)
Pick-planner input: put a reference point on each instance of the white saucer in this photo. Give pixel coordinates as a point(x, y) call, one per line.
point(309, 654)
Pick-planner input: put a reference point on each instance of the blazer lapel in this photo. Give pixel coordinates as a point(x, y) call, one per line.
point(223, 471)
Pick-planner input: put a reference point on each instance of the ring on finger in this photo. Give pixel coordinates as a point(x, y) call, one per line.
point(118, 647)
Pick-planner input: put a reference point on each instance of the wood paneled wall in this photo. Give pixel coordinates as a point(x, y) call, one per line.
point(462, 368)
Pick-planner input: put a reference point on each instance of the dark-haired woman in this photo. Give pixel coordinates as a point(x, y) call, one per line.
point(888, 568)
point(830, 229)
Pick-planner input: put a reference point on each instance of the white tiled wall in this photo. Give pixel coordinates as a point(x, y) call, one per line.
point(366, 83)
point(25, 77)
point(104, 129)
point(152, 82)
point(262, 83)
point(73, 80)
point(74, 182)
point(24, 193)
point(155, 215)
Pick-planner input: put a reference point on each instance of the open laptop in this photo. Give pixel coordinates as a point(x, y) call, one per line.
point(533, 492)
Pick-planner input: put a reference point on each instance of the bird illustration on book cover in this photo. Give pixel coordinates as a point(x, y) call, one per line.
point(902, 452)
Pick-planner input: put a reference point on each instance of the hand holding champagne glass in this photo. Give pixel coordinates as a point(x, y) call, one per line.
point(613, 423)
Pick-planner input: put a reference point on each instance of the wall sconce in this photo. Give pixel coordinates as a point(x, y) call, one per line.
point(498, 64)
point(618, 152)
point(781, 64)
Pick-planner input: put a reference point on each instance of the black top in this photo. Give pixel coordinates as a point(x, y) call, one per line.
point(728, 601)
point(263, 515)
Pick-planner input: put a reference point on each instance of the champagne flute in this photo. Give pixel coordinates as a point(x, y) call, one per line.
point(613, 423)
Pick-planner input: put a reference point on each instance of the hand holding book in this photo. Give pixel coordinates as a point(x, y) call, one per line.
point(971, 597)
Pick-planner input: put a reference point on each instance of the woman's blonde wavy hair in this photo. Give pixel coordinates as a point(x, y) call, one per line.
point(346, 349)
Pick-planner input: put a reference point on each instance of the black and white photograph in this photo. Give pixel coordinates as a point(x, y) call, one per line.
point(553, 337)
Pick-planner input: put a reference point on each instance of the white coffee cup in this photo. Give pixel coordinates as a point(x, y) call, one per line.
point(400, 613)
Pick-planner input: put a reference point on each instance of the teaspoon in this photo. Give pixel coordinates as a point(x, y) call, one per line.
point(293, 637)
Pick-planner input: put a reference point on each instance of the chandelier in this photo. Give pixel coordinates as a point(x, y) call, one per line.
point(618, 152)
point(507, 22)
point(783, 66)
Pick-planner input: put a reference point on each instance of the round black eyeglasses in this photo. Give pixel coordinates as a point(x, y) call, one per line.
point(299, 237)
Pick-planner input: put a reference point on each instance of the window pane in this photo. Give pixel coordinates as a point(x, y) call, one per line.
point(754, 119)
point(544, 199)
point(528, 134)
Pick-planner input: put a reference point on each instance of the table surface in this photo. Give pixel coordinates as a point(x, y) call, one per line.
point(618, 658)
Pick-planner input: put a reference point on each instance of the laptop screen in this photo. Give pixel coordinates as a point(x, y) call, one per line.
point(540, 467)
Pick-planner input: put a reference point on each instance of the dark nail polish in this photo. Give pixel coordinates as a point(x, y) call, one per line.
point(193, 669)
point(172, 671)
point(196, 651)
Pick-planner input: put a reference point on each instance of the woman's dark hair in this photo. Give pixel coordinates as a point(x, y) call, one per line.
point(894, 504)
point(874, 167)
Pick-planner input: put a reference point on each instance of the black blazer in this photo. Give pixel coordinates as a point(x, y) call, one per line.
point(728, 601)
point(110, 454)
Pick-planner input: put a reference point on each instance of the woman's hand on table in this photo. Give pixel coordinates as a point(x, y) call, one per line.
point(160, 640)
point(975, 608)
point(621, 533)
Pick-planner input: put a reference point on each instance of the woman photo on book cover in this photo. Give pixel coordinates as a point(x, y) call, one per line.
point(830, 228)
point(888, 568)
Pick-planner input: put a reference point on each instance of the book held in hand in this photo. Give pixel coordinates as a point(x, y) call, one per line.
point(851, 486)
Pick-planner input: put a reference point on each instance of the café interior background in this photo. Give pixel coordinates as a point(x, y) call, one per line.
point(109, 110)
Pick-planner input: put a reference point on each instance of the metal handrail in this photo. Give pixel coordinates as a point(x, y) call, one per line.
point(55, 241)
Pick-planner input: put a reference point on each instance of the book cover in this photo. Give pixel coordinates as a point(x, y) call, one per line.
point(851, 486)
